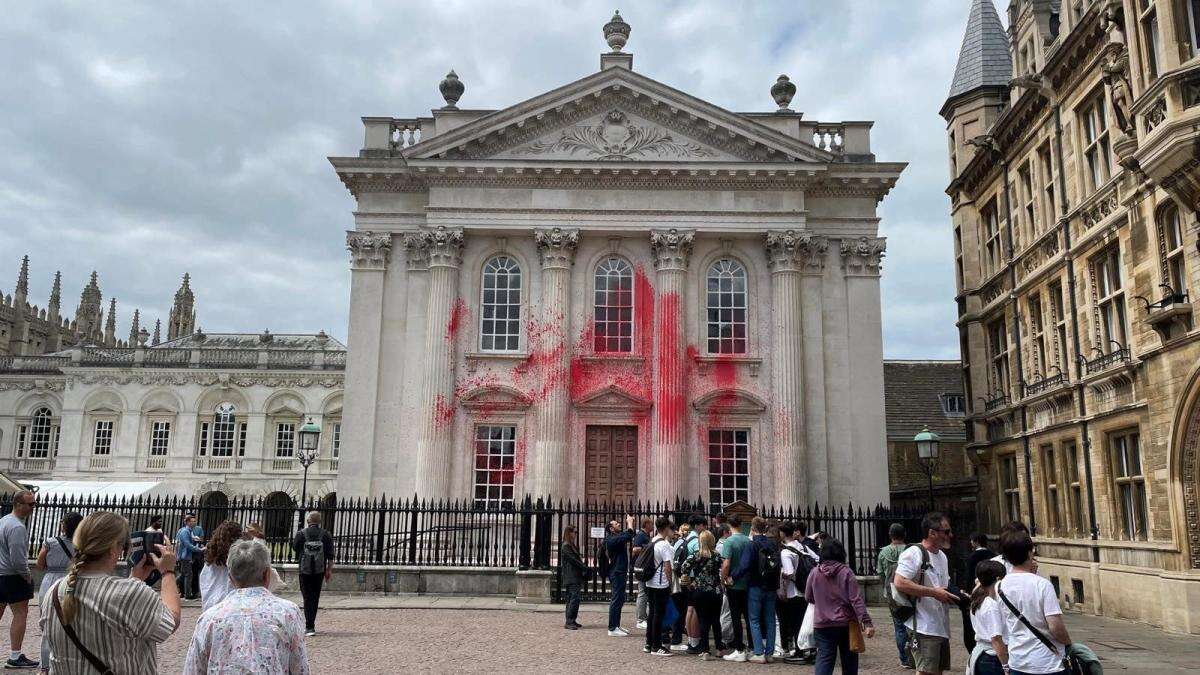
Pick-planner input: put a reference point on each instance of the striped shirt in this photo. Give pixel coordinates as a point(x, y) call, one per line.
point(119, 620)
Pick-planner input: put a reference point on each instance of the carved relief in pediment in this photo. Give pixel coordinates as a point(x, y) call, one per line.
point(612, 398)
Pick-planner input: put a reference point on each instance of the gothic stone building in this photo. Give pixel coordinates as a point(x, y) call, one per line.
point(1074, 199)
point(615, 290)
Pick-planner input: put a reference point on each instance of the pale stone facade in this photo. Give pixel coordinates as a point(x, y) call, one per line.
point(615, 290)
point(208, 415)
point(1074, 207)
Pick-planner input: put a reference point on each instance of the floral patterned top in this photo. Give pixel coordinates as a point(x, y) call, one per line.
point(250, 631)
point(705, 573)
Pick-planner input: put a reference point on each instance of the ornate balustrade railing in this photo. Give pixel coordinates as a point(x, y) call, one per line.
point(1103, 362)
point(166, 357)
point(1043, 385)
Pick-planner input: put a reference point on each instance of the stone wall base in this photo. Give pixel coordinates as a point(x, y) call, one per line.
point(1161, 598)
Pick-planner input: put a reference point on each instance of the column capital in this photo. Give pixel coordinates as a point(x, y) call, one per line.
point(416, 245)
point(672, 248)
point(862, 256)
point(369, 250)
point(556, 246)
point(795, 251)
point(445, 246)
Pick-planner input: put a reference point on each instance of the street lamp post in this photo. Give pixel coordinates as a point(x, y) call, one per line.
point(310, 449)
point(927, 453)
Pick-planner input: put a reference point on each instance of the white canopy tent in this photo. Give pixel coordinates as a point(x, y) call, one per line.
point(94, 488)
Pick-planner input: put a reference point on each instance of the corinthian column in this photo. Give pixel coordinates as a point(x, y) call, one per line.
point(812, 282)
point(784, 253)
point(369, 255)
point(435, 439)
point(557, 250)
point(671, 249)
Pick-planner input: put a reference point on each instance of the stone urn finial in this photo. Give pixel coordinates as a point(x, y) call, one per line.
point(616, 32)
point(782, 91)
point(452, 89)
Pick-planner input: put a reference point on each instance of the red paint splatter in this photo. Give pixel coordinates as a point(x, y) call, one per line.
point(443, 412)
point(458, 315)
point(643, 310)
point(522, 450)
point(668, 389)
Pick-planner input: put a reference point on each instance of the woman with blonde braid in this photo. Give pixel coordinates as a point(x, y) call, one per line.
point(96, 621)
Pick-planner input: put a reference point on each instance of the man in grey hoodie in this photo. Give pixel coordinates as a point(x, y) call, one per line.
point(16, 586)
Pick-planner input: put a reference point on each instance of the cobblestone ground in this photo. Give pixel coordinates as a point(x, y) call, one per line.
point(402, 638)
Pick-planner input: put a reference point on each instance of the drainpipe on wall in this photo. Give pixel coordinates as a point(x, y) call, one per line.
point(1080, 389)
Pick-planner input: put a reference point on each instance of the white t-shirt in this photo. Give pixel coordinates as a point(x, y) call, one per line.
point(1034, 597)
point(790, 561)
point(1007, 565)
point(933, 615)
point(987, 623)
point(663, 553)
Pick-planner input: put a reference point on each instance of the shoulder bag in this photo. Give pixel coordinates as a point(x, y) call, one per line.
point(1069, 663)
point(74, 637)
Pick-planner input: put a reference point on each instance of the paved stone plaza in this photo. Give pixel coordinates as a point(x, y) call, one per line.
point(390, 634)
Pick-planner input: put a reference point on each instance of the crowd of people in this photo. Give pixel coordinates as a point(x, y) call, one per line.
point(705, 588)
point(108, 597)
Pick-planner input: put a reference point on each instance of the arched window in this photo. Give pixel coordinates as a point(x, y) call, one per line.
point(225, 435)
point(41, 438)
point(726, 307)
point(1170, 242)
point(500, 320)
point(614, 307)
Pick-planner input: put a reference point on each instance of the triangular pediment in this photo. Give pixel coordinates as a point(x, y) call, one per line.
point(730, 402)
point(612, 398)
point(496, 397)
point(617, 115)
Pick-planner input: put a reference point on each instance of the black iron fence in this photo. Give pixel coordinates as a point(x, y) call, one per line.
point(450, 533)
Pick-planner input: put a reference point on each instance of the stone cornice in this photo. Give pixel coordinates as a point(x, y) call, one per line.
point(556, 246)
point(862, 256)
point(369, 250)
point(327, 380)
point(672, 249)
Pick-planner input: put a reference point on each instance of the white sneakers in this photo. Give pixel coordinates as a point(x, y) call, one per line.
point(618, 632)
point(641, 625)
point(679, 647)
point(661, 652)
point(735, 656)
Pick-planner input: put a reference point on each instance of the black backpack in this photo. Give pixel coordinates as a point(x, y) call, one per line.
point(769, 567)
point(681, 556)
point(312, 556)
point(804, 566)
point(602, 560)
point(644, 567)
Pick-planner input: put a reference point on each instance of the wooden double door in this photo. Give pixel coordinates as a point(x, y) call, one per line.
point(610, 474)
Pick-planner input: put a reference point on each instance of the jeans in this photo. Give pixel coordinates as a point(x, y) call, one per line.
point(310, 590)
point(680, 599)
point(618, 600)
point(761, 606)
point(574, 593)
point(901, 640)
point(708, 611)
point(643, 607)
point(656, 601)
point(737, 613)
point(988, 664)
point(791, 615)
point(183, 577)
point(830, 643)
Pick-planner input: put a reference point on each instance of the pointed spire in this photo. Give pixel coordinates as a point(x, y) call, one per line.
point(56, 294)
point(22, 290)
point(984, 59)
point(110, 326)
point(87, 316)
point(157, 339)
point(182, 319)
point(135, 328)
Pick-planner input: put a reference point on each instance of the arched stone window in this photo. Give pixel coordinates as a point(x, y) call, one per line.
point(726, 303)
point(222, 442)
point(280, 512)
point(39, 438)
point(613, 307)
point(500, 318)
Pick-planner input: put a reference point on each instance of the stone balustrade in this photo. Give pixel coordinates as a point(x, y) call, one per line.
point(388, 135)
point(137, 357)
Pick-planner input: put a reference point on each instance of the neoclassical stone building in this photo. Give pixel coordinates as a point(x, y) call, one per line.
point(1074, 189)
point(615, 290)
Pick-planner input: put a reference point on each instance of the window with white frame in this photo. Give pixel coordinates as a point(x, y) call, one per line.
point(614, 307)
point(500, 320)
point(223, 435)
point(39, 438)
point(495, 464)
point(285, 439)
point(1059, 317)
point(1048, 176)
point(1130, 483)
point(1110, 299)
point(1148, 28)
point(728, 466)
point(335, 440)
point(1037, 334)
point(102, 437)
point(1050, 486)
point(1094, 122)
point(160, 438)
point(726, 303)
point(998, 346)
point(1171, 243)
point(1010, 488)
point(993, 253)
point(1074, 488)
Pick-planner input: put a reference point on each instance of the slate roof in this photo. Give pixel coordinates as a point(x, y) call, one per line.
point(318, 342)
point(912, 398)
point(984, 59)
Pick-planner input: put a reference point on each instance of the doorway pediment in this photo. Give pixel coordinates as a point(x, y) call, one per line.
point(730, 402)
point(495, 397)
point(612, 399)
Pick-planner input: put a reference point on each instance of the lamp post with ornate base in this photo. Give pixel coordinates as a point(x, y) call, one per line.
point(927, 453)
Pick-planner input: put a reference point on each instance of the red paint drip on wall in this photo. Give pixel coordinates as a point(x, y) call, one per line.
point(668, 390)
point(643, 310)
point(443, 412)
point(458, 315)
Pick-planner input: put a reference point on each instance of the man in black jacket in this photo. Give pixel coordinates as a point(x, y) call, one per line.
point(314, 569)
point(616, 546)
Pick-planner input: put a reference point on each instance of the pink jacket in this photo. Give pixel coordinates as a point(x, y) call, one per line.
point(838, 599)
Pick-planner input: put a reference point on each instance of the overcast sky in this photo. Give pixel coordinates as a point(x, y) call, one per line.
point(145, 140)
